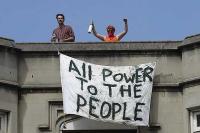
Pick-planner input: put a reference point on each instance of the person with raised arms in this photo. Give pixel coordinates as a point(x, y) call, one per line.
point(111, 37)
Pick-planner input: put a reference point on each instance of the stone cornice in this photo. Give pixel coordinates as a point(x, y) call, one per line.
point(191, 81)
point(8, 43)
point(190, 42)
point(9, 83)
point(100, 46)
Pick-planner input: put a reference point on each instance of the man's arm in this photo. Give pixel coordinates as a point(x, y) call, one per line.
point(96, 34)
point(70, 39)
point(121, 35)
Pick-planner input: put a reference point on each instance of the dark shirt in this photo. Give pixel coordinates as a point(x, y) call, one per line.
point(63, 32)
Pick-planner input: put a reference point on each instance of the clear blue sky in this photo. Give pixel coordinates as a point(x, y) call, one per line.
point(149, 20)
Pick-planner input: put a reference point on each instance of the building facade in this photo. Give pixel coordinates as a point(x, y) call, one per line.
point(31, 96)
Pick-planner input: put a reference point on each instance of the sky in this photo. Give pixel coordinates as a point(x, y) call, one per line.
point(148, 20)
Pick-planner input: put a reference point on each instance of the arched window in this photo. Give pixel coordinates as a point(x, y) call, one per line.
point(63, 126)
point(77, 124)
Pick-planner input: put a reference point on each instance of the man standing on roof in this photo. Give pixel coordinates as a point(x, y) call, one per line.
point(111, 37)
point(64, 33)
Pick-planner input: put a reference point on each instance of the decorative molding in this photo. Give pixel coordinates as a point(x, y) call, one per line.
point(156, 86)
point(39, 86)
point(154, 126)
point(57, 88)
point(11, 83)
point(44, 127)
point(191, 81)
point(193, 39)
point(100, 47)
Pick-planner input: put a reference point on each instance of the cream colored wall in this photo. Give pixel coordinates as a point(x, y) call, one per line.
point(45, 71)
point(9, 105)
point(31, 71)
point(9, 83)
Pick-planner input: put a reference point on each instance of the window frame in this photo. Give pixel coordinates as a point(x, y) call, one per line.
point(4, 122)
point(193, 121)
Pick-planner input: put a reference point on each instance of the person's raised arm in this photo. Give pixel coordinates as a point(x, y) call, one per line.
point(96, 34)
point(121, 35)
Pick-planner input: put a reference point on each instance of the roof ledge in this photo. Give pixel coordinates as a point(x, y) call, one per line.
point(190, 41)
point(7, 42)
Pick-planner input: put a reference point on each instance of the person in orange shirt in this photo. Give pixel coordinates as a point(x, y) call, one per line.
point(111, 37)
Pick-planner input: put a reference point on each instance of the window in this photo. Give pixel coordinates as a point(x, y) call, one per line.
point(198, 120)
point(3, 122)
point(0, 123)
point(195, 121)
point(84, 125)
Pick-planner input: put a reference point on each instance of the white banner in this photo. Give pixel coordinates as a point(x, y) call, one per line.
point(108, 93)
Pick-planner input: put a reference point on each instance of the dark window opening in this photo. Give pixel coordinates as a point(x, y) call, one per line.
point(0, 123)
point(198, 120)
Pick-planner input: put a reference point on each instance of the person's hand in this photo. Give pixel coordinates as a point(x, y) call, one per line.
point(125, 20)
point(92, 24)
point(93, 27)
point(53, 37)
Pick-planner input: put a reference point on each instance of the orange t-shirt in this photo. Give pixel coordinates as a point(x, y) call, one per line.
point(111, 39)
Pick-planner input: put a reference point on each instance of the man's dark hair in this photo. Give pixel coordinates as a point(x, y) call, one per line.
point(60, 15)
